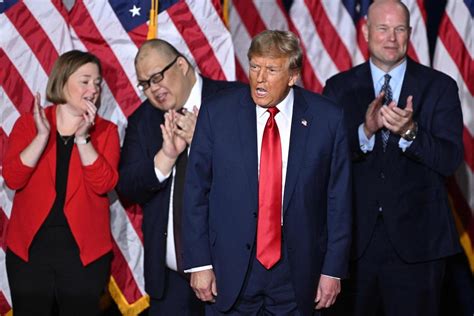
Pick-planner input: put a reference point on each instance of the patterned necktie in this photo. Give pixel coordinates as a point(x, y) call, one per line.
point(269, 195)
point(387, 98)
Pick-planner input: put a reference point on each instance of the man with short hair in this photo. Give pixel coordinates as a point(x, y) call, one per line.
point(405, 133)
point(267, 216)
point(153, 163)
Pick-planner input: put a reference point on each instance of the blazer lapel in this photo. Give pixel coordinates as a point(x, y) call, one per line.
point(298, 140)
point(50, 150)
point(247, 131)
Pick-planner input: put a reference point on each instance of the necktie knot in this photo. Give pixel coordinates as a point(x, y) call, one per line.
point(271, 120)
point(273, 111)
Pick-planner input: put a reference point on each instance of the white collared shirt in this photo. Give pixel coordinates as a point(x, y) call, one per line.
point(397, 75)
point(283, 121)
point(194, 99)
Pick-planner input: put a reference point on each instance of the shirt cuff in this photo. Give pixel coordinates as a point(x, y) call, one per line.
point(160, 176)
point(332, 277)
point(365, 143)
point(403, 144)
point(197, 269)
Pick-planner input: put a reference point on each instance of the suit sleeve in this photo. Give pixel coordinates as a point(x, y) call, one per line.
point(102, 175)
point(339, 201)
point(15, 173)
point(196, 195)
point(438, 143)
point(137, 182)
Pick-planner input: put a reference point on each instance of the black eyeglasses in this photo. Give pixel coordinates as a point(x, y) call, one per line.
point(155, 78)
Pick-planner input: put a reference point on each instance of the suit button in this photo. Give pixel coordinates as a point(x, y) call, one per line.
point(247, 246)
point(254, 214)
point(382, 175)
point(380, 209)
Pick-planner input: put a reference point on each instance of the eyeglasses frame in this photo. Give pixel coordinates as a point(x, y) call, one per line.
point(141, 83)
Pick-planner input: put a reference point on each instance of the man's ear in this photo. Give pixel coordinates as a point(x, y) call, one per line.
point(294, 75)
point(183, 65)
point(365, 31)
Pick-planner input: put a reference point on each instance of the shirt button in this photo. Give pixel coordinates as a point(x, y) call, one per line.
point(380, 209)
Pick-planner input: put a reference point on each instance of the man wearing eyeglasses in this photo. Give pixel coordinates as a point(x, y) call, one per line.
point(152, 166)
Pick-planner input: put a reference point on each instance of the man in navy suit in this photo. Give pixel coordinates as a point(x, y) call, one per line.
point(231, 195)
point(405, 133)
point(155, 145)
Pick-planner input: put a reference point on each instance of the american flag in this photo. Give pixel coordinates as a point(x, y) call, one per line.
point(330, 33)
point(33, 33)
point(454, 55)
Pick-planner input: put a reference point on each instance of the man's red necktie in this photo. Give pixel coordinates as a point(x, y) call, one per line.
point(269, 195)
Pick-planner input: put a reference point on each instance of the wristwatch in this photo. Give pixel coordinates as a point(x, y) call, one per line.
point(82, 140)
point(410, 134)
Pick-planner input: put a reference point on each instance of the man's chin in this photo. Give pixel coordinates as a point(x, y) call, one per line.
point(162, 106)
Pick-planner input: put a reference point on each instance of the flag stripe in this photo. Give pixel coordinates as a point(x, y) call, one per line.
point(318, 59)
point(4, 302)
point(15, 87)
point(22, 58)
point(34, 35)
point(344, 25)
point(113, 73)
point(3, 229)
point(109, 29)
point(249, 17)
point(207, 19)
point(458, 51)
point(462, 208)
point(329, 36)
point(203, 53)
point(53, 25)
point(124, 277)
point(468, 149)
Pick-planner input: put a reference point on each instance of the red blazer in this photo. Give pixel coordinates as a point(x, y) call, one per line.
point(86, 207)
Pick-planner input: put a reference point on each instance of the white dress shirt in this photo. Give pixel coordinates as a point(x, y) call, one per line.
point(397, 74)
point(194, 99)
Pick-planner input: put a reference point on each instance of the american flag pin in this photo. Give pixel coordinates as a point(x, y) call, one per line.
point(304, 122)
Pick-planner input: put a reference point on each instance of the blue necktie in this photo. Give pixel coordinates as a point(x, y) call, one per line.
point(387, 98)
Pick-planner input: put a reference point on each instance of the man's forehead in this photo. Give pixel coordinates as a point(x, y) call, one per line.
point(149, 61)
point(269, 59)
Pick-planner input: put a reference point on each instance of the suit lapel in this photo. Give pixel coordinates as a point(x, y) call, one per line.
point(247, 131)
point(298, 140)
point(364, 87)
point(410, 86)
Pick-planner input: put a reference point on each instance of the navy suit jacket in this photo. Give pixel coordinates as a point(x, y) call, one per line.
point(221, 193)
point(138, 184)
point(408, 186)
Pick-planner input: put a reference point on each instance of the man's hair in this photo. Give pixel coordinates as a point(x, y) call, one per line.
point(63, 68)
point(275, 43)
point(162, 47)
